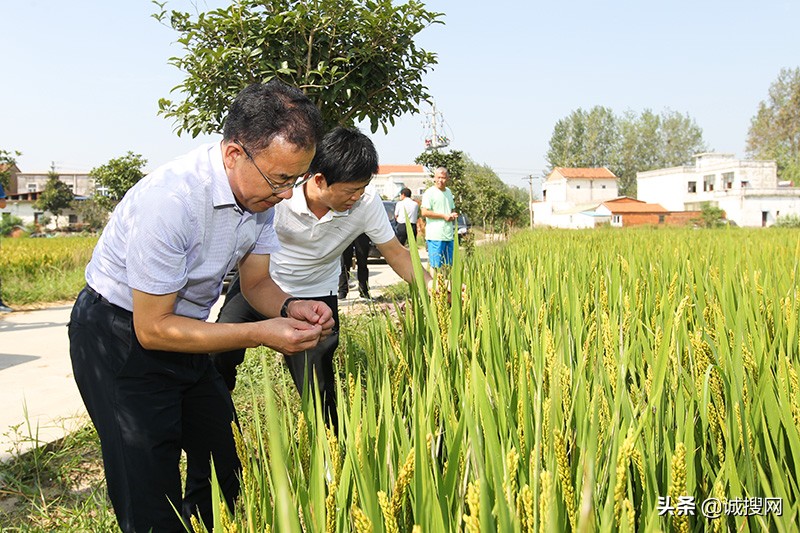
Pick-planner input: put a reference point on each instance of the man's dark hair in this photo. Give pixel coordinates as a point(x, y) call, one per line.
point(345, 156)
point(263, 111)
point(406, 192)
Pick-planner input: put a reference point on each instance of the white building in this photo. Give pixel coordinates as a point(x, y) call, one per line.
point(570, 195)
point(748, 191)
point(391, 178)
point(80, 183)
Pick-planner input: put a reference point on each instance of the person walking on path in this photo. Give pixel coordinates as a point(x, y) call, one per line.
point(405, 209)
point(139, 340)
point(314, 227)
point(438, 208)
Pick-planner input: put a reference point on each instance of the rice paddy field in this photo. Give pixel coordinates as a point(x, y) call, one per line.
point(605, 380)
point(34, 271)
point(639, 380)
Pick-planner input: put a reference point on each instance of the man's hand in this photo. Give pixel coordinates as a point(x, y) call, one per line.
point(289, 335)
point(452, 216)
point(312, 312)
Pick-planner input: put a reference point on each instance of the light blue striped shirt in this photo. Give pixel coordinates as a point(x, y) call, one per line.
point(178, 230)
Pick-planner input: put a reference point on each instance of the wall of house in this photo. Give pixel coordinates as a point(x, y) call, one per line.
point(750, 210)
point(667, 187)
point(640, 219)
point(681, 218)
point(670, 187)
point(29, 214)
point(389, 185)
point(81, 184)
point(586, 191)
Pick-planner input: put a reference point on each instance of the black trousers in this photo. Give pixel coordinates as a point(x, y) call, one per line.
point(315, 364)
point(401, 233)
point(147, 406)
point(361, 248)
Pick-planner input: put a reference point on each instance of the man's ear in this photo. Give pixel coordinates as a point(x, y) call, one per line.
point(319, 180)
point(230, 153)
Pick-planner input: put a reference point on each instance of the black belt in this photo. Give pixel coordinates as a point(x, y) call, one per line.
point(98, 296)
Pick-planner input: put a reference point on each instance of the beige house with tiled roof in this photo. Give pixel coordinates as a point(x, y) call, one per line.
point(391, 178)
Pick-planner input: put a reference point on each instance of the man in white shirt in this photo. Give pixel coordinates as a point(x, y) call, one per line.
point(404, 209)
point(139, 339)
point(314, 227)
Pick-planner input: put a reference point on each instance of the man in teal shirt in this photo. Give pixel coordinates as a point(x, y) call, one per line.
point(438, 208)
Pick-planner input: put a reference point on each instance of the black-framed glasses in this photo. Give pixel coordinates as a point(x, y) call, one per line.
point(283, 187)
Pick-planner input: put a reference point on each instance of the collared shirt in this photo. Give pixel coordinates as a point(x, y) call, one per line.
point(442, 202)
point(308, 263)
point(178, 230)
point(406, 208)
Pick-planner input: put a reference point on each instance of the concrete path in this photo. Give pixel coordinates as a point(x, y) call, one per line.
point(39, 400)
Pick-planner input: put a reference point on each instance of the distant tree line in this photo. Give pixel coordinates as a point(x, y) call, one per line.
point(624, 144)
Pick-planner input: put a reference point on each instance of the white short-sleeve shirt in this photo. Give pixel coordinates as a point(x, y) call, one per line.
point(308, 263)
point(178, 230)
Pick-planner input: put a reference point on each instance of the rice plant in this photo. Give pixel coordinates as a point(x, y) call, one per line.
point(584, 381)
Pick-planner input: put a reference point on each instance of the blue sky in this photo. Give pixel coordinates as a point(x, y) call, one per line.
point(83, 77)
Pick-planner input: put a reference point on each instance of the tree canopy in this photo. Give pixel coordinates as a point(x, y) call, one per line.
point(55, 197)
point(7, 160)
point(624, 144)
point(117, 176)
point(775, 129)
point(356, 59)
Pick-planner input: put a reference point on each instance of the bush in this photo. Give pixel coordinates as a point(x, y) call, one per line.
point(9, 223)
point(787, 221)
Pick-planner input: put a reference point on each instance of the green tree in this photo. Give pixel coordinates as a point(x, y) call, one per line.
point(584, 139)
point(55, 197)
point(493, 203)
point(711, 216)
point(92, 211)
point(117, 176)
point(775, 129)
point(356, 59)
point(7, 160)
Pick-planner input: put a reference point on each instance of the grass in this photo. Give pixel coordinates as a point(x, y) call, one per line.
point(56, 487)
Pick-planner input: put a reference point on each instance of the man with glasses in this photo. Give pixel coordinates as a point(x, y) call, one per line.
point(314, 226)
point(139, 340)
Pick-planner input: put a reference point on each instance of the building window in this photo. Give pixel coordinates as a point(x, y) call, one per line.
point(745, 184)
point(577, 186)
point(616, 219)
point(661, 219)
point(36, 216)
point(73, 219)
point(602, 186)
point(31, 187)
point(71, 187)
point(708, 183)
point(727, 180)
point(692, 186)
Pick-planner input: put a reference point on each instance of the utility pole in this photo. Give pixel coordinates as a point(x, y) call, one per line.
point(434, 126)
point(530, 179)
